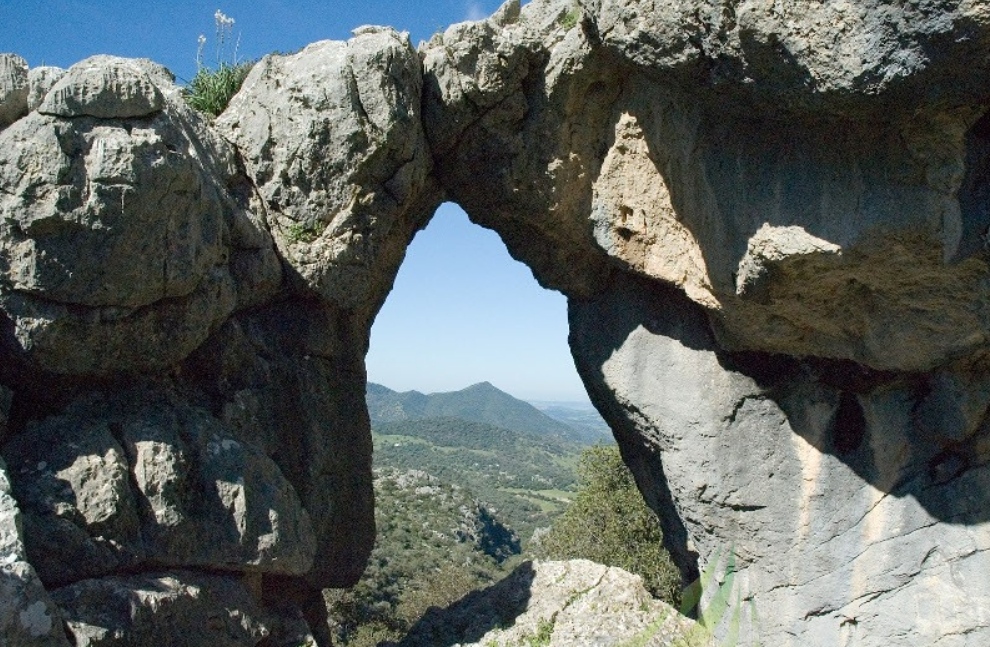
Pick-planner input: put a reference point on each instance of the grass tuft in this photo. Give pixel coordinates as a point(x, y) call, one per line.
point(210, 91)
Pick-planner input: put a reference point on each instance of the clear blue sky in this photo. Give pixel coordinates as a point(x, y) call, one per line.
point(462, 310)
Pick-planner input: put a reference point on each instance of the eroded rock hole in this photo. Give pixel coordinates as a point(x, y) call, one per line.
point(849, 424)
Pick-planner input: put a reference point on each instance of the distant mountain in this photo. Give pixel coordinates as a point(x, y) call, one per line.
point(481, 402)
point(582, 417)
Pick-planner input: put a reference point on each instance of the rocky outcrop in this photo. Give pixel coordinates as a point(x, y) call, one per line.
point(791, 343)
point(559, 604)
point(769, 219)
point(162, 609)
point(13, 89)
point(339, 159)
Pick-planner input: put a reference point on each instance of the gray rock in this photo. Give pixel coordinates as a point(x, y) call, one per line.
point(568, 604)
point(6, 398)
point(13, 89)
point(844, 513)
point(116, 483)
point(289, 379)
point(28, 617)
point(165, 609)
point(551, 130)
point(40, 81)
point(791, 56)
point(496, 95)
point(104, 87)
point(333, 139)
point(72, 481)
point(121, 243)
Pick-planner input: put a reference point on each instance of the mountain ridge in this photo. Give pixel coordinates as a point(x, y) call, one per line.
point(481, 402)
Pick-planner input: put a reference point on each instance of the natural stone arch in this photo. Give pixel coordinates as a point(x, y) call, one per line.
point(652, 163)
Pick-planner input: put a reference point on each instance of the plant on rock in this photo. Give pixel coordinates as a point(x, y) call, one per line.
point(212, 88)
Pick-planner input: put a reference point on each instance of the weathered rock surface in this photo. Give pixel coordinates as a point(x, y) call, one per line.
point(853, 499)
point(28, 616)
point(168, 609)
point(334, 141)
point(40, 81)
point(568, 604)
point(106, 88)
point(284, 379)
point(122, 245)
point(116, 483)
point(770, 220)
point(13, 89)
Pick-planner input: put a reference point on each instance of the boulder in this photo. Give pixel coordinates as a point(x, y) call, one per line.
point(333, 139)
point(122, 245)
point(13, 89)
point(104, 87)
point(119, 482)
point(165, 609)
point(289, 380)
point(559, 604)
point(28, 616)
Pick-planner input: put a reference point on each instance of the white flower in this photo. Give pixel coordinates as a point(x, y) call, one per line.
point(202, 40)
point(222, 19)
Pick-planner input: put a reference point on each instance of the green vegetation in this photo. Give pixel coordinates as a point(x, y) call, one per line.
point(528, 478)
point(436, 543)
point(610, 523)
point(210, 90)
point(299, 232)
point(544, 632)
point(571, 18)
point(714, 613)
point(458, 502)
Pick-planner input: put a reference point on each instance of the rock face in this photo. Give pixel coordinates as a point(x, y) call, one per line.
point(770, 220)
point(13, 89)
point(559, 604)
point(339, 159)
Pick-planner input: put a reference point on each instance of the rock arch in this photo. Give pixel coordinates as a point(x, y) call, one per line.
point(768, 220)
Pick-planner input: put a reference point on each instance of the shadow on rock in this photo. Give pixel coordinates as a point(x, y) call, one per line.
point(474, 615)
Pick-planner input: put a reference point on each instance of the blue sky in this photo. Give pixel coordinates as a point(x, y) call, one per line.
point(462, 311)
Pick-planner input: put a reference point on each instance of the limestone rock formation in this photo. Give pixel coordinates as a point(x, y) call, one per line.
point(149, 481)
point(791, 343)
point(28, 616)
point(119, 233)
point(560, 604)
point(770, 220)
point(13, 89)
point(162, 609)
point(339, 158)
point(40, 81)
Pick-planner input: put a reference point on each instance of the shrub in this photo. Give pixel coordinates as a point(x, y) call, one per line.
point(609, 523)
point(211, 90)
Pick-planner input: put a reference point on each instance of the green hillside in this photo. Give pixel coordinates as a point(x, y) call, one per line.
point(527, 477)
point(478, 403)
point(436, 542)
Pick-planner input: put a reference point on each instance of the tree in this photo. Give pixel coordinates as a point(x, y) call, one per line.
point(609, 523)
